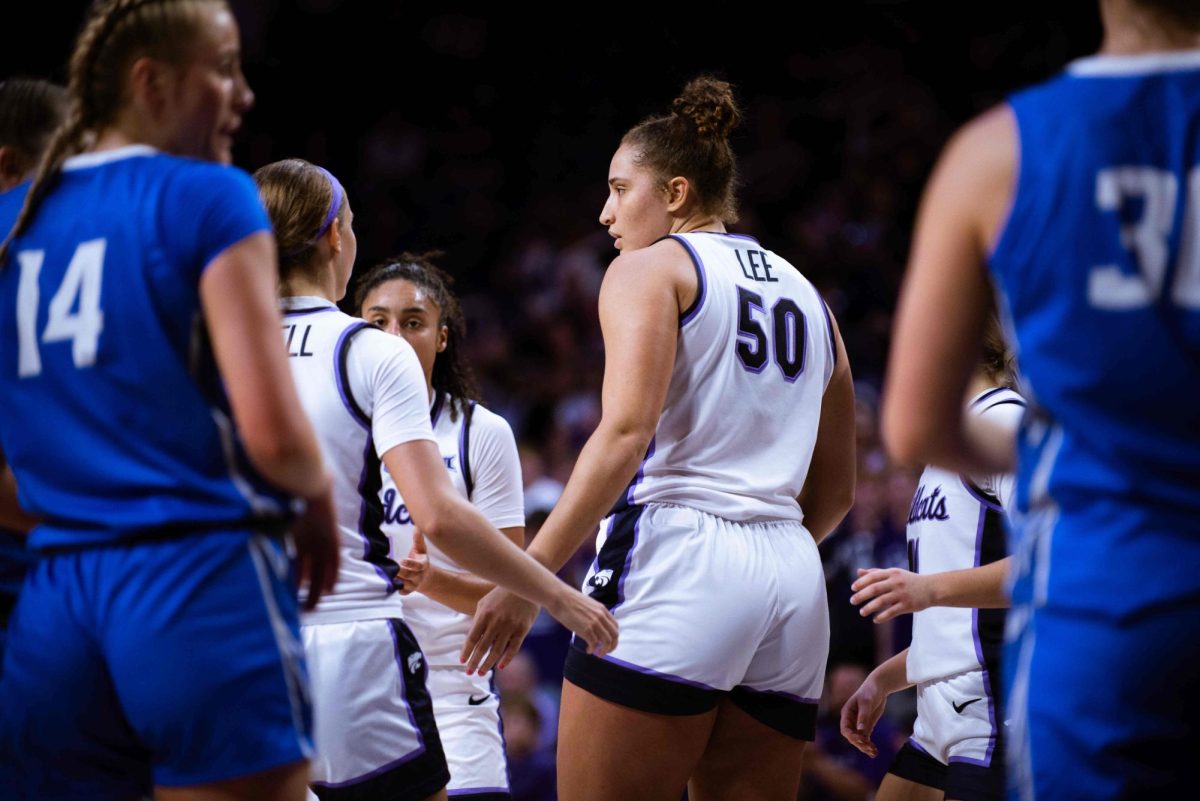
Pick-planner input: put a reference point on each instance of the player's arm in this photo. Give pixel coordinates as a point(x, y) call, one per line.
point(498, 493)
point(640, 300)
point(886, 593)
point(12, 516)
point(945, 300)
point(828, 491)
point(459, 591)
point(863, 710)
point(465, 535)
point(237, 296)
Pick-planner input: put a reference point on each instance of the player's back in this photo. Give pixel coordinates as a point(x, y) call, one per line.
point(364, 392)
point(755, 353)
point(1099, 268)
point(111, 410)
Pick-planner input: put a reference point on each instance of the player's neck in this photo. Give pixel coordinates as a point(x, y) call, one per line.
point(697, 222)
point(1132, 30)
point(314, 286)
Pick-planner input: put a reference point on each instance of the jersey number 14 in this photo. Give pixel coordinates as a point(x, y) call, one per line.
point(74, 312)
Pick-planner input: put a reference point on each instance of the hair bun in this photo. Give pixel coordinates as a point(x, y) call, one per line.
point(708, 104)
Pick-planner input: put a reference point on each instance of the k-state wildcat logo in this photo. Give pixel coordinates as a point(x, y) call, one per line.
point(931, 508)
point(414, 662)
point(601, 579)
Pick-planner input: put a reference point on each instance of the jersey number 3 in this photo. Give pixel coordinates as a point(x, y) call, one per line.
point(80, 287)
point(1111, 288)
point(788, 335)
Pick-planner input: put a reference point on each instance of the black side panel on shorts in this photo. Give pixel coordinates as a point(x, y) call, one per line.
point(635, 689)
point(917, 766)
point(784, 714)
point(975, 782)
point(422, 776)
point(607, 584)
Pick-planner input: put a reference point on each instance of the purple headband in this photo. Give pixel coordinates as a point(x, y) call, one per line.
point(334, 207)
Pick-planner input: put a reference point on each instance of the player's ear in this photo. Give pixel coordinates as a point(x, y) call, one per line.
point(334, 235)
point(443, 338)
point(678, 192)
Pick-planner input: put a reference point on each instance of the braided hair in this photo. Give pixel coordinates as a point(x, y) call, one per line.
point(451, 374)
point(115, 34)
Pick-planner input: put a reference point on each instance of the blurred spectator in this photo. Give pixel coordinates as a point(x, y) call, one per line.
point(521, 679)
point(531, 767)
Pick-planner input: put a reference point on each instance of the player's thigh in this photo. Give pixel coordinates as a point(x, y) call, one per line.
point(202, 640)
point(746, 759)
point(608, 751)
point(896, 788)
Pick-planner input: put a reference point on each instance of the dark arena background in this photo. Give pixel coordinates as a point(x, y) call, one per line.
point(487, 135)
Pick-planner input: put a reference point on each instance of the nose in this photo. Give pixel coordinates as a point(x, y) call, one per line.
point(607, 216)
point(245, 95)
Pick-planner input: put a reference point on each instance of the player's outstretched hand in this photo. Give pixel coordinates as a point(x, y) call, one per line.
point(860, 714)
point(416, 571)
point(885, 593)
point(501, 622)
point(316, 539)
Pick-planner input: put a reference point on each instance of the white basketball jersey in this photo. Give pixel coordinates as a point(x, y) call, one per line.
point(957, 522)
point(480, 454)
point(364, 392)
point(755, 354)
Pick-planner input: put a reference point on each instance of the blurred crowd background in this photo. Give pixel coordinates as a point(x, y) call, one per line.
point(487, 136)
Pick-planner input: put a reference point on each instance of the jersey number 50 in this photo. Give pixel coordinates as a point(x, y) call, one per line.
point(1111, 288)
point(81, 285)
point(788, 329)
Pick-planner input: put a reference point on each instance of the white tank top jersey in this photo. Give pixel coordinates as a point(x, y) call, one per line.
point(755, 354)
point(957, 522)
point(480, 454)
point(365, 393)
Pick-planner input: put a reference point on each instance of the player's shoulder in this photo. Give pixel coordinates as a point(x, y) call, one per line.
point(487, 423)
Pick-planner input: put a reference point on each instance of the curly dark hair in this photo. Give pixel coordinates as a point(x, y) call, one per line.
point(451, 374)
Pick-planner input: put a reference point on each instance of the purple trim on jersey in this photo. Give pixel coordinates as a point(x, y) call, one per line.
point(658, 675)
point(691, 311)
point(828, 326)
point(727, 233)
point(789, 696)
point(370, 471)
point(341, 377)
point(987, 395)
point(641, 471)
point(311, 310)
point(987, 684)
point(979, 496)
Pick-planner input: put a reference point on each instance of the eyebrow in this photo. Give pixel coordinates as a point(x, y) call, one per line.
point(612, 181)
point(409, 310)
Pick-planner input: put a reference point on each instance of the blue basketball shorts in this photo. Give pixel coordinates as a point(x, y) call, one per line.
point(170, 662)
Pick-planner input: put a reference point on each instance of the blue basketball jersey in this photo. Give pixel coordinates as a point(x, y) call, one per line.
point(1098, 268)
point(112, 413)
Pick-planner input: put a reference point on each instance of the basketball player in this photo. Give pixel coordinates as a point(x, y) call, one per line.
point(955, 587)
point(1081, 196)
point(410, 297)
point(149, 418)
point(727, 445)
point(367, 397)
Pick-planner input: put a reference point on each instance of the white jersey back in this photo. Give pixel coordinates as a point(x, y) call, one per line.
point(364, 392)
point(480, 454)
point(755, 354)
point(957, 522)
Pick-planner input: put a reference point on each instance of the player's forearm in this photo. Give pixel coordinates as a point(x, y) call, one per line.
point(459, 591)
point(892, 675)
point(975, 588)
point(606, 465)
point(465, 535)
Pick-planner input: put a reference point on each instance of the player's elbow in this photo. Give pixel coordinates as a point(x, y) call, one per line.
point(906, 438)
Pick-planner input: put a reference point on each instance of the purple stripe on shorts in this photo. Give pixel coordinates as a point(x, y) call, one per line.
point(658, 674)
point(399, 657)
point(476, 791)
point(796, 698)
